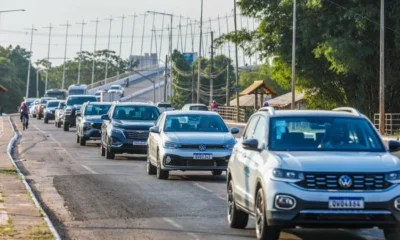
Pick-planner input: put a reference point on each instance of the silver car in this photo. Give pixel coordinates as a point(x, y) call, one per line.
point(189, 141)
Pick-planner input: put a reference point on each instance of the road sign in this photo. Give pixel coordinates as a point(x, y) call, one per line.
point(190, 57)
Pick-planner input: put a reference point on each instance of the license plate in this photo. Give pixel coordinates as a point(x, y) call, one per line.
point(202, 156)
point(139, 143)
point(346, 203)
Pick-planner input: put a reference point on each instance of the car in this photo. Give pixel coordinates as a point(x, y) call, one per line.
point(88, 122)
point(40, 107)
point(165, 107)
point(77, 89)
point(98, 95)
point(117, 89)
point(194, 107)
point(125, 128)
point(32, 108)
point(304, 168)
point(29, 101)
point(73, 106)
point(49, 112)
point(59, 113)
point(189, 141)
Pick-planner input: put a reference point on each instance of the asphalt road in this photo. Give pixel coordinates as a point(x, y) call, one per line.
point(145, 83)
point(89, 197)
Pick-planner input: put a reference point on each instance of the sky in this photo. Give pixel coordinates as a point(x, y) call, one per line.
point(14, 27)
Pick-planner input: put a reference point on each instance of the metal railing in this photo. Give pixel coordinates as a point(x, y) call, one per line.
point(392, 122)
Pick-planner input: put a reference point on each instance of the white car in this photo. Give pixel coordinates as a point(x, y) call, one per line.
point(117, 89)
point(32, 108)
point(163, 107)
point(326, 169)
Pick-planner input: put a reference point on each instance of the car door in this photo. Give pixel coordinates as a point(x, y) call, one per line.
point(105, 126)
point(79, 121)
point(239, 169)
point(153, 139)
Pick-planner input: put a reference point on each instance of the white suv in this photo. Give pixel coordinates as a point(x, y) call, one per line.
point(313, 169)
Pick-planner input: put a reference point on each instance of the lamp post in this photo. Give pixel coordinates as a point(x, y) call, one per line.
point(37, 81)
point(13, 10)
point(293, 106)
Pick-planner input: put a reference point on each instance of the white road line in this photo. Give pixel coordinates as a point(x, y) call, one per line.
point(208, 190)
point(173, 223)
point(89, 169)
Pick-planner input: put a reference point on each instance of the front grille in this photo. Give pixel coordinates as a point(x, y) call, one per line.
point(136, 134)
point(330, 181)
point(196, 146)
point(345, 217)
point(190, 162)
point(96, 125)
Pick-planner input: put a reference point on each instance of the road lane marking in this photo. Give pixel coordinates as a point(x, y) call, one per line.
point(89, 169)
point(177, 225)
point(208, 190)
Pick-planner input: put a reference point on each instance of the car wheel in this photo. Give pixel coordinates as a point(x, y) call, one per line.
point(263, 231)
point(392, 233)
point(59, 124)
point(46, 120)
point(55, 124)
point(66, 127)
point(82, 141)
point(216, 172)
point(151, 170)
point(236, 218)
point(102, 150)
point(161, 174)
point(77, 138)
point(109, 153)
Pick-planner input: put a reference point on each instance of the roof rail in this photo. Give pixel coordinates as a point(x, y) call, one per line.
point(270, 110)
point(349, 110)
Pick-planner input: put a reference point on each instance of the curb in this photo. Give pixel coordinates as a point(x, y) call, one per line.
point(28, 188)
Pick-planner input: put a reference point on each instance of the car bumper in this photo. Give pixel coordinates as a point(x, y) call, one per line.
point(182, 159)
point(92, 134)
point(49, 116)
point(70, 120)
point(312, 208)
point(128, 148)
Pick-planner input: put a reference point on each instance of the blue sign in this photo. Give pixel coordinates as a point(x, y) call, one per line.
point(190, 57)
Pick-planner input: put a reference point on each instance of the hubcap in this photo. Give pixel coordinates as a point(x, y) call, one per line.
point(230, 201)
point(259, 214)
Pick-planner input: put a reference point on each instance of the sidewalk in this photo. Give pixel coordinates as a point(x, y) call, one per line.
point(19, 217)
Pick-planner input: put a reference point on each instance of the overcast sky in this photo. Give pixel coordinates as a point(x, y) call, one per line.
point(41, 13)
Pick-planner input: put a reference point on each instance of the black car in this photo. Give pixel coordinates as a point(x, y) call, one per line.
point(50, 109)
point(88, 122)
point(125, 128)
point(73, 106)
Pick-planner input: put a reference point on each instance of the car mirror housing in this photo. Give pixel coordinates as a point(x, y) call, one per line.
point(234, 130)
point(250, 144)
point(394, 146)
point(155, 129)
point(105, 117)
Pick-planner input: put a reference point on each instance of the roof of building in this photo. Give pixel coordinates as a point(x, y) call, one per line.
point(285, 99)
point(260, 84)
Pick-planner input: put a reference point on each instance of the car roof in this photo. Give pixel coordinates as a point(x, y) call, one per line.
point(195, 104)
point(80, 96)
point(133, 104)
point(310, 113)
point(208, 113)
point(98, 103)
point(53, 101)
point(115, 85)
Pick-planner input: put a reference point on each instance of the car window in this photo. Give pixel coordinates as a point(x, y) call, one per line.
point(199, 108)
point(250, 128)
point(92, 109)
point(194, 123)
point(80, 100)
point(164, 105)
point(52, 104)
point(143, 113)
point(260, 132)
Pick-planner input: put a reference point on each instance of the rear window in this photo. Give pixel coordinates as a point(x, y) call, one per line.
point(143, 113)
point(97, 109)
point(52, 104)
point(199, 108)
point(165, 105)
point(80, 100)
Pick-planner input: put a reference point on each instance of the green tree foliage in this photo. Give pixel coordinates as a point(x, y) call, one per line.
point(182, 85)
point(337, 51)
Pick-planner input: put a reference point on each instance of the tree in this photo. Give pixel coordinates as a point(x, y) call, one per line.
point(260, 73)
point(182, 81)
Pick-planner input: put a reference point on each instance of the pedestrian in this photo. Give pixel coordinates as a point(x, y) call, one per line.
point(266, 104)
point(214, 106)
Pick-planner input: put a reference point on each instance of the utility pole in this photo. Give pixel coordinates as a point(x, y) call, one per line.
point(162, 34)
point(94, 51)
point(48, 56)
point(186, 32)
point(199, 63)
point(236, 67)
point(219, 34)
point(80, 52)
point(120, 44)
point(133, 35)
point(228, 84)
point(166, 78)
point(293, 106)
point(193, 80)
point(65, 53)
point(108, 49)
point(152, 34)
point(30, 61)
point(227, 31)
point(212, 69)
point(144, 24)
point(382, 71)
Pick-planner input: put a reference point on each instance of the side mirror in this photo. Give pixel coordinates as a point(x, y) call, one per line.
point(394, 146)
point(155, 129)
point(250, 144)
point(78, 114)
point(105, 117)
point(234, 130)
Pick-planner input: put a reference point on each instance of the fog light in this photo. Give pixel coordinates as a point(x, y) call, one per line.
point(285, 202)
point(397, 203)
point(115, 141)
point(168, 160)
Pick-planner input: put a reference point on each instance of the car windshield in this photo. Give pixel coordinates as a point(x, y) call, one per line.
point(52, 104)
point(199, 108)
point(97, 94)
point(76, 91)
point(115, 87)
point(44, 100)
point(58, 95)
point(194, 123)
point(93, 109)
point(140, 113)
point(164, 105)
point(323, 134)
point(80, 100)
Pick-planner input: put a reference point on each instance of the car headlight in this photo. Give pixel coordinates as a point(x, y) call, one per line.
point(87, 124)
point(117, 130)
point(229, 145)
point(393, 177)
point(286, 175)
point(68, 111)
point(171, 145)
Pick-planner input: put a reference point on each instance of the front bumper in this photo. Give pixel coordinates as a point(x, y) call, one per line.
point(69, 120)
point(120, 144)
point(312, 208)
point(49, 116)
point(182, 159)
point(92, 134)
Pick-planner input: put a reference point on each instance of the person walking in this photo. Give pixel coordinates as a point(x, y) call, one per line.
point(214, 106)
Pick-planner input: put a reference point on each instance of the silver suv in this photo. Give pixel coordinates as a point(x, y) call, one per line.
point(313, 169)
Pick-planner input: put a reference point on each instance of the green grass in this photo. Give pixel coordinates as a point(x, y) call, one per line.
point(8, 171)
point(8, 231)
point(40, 232)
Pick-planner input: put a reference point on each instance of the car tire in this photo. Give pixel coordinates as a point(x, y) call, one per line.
point(55, 124)
point(46, 120)
point(216, 172)
point(151, 170)
point(77, 138)
point(102, 150)
point(34, 115)
point(392, 233)
point(66, 127)
point(82, 141)
point(58, 124)
point(236, 218)
point(109, 153)
point(161, 174)
point(263, 231)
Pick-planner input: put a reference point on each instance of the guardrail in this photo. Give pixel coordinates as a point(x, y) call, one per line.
point(392, 122)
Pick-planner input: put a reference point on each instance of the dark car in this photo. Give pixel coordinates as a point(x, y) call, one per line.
point(73, 106)
point(88, 122)
point(49, 112)
point(126, 127)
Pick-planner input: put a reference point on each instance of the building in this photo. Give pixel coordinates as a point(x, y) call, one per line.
point(147, 60)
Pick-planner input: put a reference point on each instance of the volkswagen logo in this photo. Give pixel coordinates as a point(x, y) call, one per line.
point(202, 147)
point(345, 181)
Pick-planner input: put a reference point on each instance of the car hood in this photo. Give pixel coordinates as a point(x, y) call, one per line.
point(338, 161)
point(133, 124)
point(94, 118)
point(76, 106)
point(199, 138)
point(51, 108)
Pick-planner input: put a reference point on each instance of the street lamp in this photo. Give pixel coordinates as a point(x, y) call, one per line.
point(14, 10)
point(37, 81)
point(294, 57)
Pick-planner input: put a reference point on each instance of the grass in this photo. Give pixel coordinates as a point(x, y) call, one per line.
point(8, 229)
point(8, 171)
point(40, 232)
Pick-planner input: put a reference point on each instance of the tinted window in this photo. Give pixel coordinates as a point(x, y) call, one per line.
point(194, 123)
point(199, 108)
point(323, 134)
point(44, 100)
point(92, 109)
point(115, 87)
point(80, 100)
point(260, 131)
point(250, 128)
point(165, 105)
point(143, 113)
point(52, 104)
point(77, 91)
point(58, 94)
